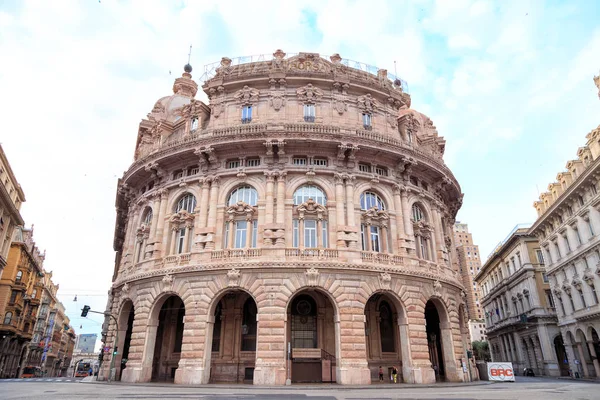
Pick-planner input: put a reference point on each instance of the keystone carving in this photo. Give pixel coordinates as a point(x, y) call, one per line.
point(437, 288)
point(167, 280)
point(312, 276)
point(125, 288)
point(385, 280)
point(277, 100)
point(309, 94)
point(233, 277)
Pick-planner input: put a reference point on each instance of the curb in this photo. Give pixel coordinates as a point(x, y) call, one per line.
point(320, 386)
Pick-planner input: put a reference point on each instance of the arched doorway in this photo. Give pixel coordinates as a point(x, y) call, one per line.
point(434, 341)
point(233, 345)
point(126, 317)
point(169, 338)
point(311, 338)
point(561, 355)
point(383, 337)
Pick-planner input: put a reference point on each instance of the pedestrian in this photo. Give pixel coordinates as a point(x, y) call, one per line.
point(380, 373)
point(395, 373)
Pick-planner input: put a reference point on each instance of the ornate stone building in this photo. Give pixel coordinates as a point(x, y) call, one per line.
point(11, 199)
point(519, 311)
point(298, 228)
point(20, 293)
point(568, 229)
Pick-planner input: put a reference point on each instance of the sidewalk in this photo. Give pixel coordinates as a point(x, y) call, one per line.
point(316, 386)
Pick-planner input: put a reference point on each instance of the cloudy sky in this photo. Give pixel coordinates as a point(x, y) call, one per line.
point(509, 85)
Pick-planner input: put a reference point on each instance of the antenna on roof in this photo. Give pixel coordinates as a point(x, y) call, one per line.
point(190, 54)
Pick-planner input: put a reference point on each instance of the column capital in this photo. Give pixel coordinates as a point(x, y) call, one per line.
point(270, 175)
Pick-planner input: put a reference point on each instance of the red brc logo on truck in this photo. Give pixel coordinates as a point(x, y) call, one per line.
point(501, 372)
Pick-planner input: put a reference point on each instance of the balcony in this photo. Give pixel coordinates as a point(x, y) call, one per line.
point(235, 254)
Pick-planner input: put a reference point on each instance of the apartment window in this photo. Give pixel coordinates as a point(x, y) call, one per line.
point(582, 297)
point(557, 249)
point(549, 298)
point(369, 200)
point(519, 260)
point(409, 136)
point(241, 233)
point(309, 113)
point(567, 245)
point(299, 161)
point(13, 296)
point(580, 200)
point(549, 254)
point(364, 168)
point(594, 293)
point(512, 261)
point(193, 171)
point(8, 318)
point(577, 236)
point(381, 171)
point(178, 174)
point(571, 301)
point(593, 190)
point(233, 164)
point(19, 276)
point(372, 233)
point(253, 162)
point(569, 211)
point(180, 240)
point(562, 304)
point(187, 203)
point(540, 256)
point(590, 228)
point(194, 123)
point(247, 194)
point(366, 121)
point(246, 114)
point(310, 233)
point(545, 277)
point(321, 162)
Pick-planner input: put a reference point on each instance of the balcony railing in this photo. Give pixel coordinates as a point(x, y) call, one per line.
point(235, 254)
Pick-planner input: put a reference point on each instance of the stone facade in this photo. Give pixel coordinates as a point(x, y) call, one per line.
point(568, 229)
point(519, 312)
point(11, 199)
point(298, 228)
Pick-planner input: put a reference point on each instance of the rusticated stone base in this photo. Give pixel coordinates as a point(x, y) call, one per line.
point(354, 374)
point(190, 374)
point(269, 375)
point(132, 375)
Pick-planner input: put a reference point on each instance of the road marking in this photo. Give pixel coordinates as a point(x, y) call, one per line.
point(68, 380)
point(48, 380)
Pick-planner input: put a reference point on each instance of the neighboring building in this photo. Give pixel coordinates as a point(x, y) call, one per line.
point(20, 293)
point(11, 199)
point(519, 312)
point(568, 229)
point(91, 358)
point(86, 342)
point(469, 261)
point(306, 208)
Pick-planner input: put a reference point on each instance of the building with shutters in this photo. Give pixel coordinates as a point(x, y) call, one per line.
point(296, 227)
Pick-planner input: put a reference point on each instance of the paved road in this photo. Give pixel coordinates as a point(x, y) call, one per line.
point(29, 380)
point(524, 388)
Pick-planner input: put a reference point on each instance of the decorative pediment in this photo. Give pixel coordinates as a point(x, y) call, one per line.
point(182, 217)
point(311, 207)
point(240, 209)
point(309, 94)
point(374, 214)
point(366, 103)
point(246, 96)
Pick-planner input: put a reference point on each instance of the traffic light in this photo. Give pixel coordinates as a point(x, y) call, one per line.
point(115, 350)
point(84, 311)
point(101, 355)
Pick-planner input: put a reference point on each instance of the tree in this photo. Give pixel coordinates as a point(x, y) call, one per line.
point(481, 350)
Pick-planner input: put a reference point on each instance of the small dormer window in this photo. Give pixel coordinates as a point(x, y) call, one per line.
point(309, 113)
point(246, 114)
point(409, 136)
point(194, 125)
point(366, 117)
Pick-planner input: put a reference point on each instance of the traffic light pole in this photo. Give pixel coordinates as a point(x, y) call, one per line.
point(116, 342)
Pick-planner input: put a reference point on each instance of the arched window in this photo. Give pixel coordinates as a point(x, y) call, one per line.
point(187, 203)
point(148, 217)
point(417, 213)
point(374, 224)
point(182, 224)
point(19, 276)
point(369, 200)
point(310, 218)
point(306, 192)
point(8, 318)
point(386, 328)
point(241, 225)
point(249, 325)
point(247, 194)
point(194, 124)
point(423, 232)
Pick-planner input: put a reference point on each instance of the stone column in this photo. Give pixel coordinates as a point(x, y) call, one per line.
point(230, 235)
point(281, 197)
point(155, 215)
point(408, 228)
point(350, 200)
point(367, 238)
point(594, 357)
point(453, 374)
point(249, 233)
point(352, 367)
point(407, 367)
point(339, 200)
point(319, 233)
point(174, 240)
point(400, 234)
point(384, 240)
point(301, 232)
point(212, 212)
point(159, 237)
point(192, 367)
point(518, 349)
point(270, 369)
point(269, 217)
point(203, 214)
point(438, 236)
point(582, 361)
point(146, 365)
